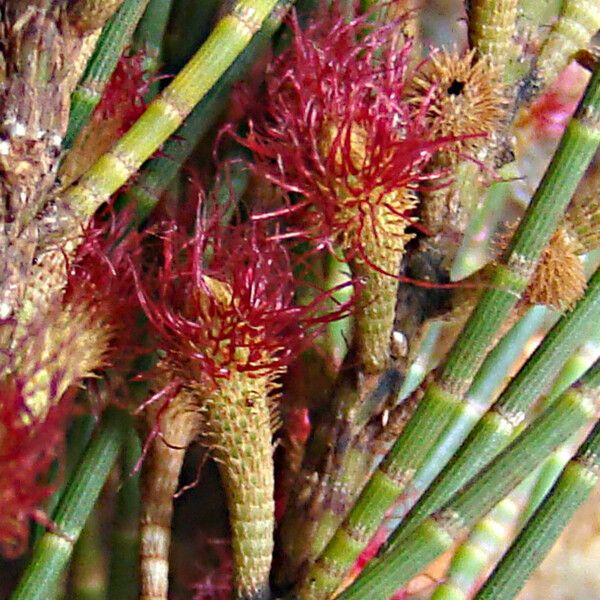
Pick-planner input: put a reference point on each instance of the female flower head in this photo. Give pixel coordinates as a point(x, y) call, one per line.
point(336, 128)
point(28, 447)
point(222, 307)
point(224, 303)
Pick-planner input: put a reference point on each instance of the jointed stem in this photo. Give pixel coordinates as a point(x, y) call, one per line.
point(158, 173)
point(115, 36)
point(441, 399)
point(123, 581)
point(51, 554)
point(497, 426)
point(491, 27)
point(574, 486)
point(572, 410)
point(164, 115)
point(483, 547)
point(578, 22)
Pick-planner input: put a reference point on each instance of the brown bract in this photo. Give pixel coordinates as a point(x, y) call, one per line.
point(559, 280)
point(465, 98)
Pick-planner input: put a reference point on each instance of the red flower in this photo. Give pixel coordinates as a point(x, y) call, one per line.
point(101, 278)
point(223, 301)
point(28, 447)
point(123, 97)
point(337, 129)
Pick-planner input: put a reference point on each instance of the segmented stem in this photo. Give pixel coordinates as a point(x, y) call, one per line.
point(374, 316)
point(573, 410)
point(498, 425)
point(164, 115)
point(158, 173)
point(578, 479)
point(492, 25)
point(442, 398)
point(478, 552)
point(578, 22)
point(88, 567)
point(179, 425)
point(115, 36)
point(123, 576)
point(149, 36)
point(52, 553)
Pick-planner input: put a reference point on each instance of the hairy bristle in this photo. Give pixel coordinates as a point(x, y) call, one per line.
point(28, 448)
point(559, 280)
point(464, 97)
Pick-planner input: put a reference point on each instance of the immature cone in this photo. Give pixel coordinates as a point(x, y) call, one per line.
point(559, 280)
point(335, 127)
point(463, 96)
point(228, 329)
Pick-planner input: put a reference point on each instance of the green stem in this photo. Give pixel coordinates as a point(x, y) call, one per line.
point(389, 572)
point(159, 172)
point(149, 37)
point(442, 398)
point(578, 22)
point(123, 571)
point(77, 438)
point(498, 425)
point(573, 369)
point(492, 25)
point(52, 553)
point(115, 36)
point(483, 546)
point(482, 393)
point(573, 487)
point(475, 245)
point(166, 113)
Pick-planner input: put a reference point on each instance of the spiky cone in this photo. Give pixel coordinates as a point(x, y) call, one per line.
point(575, 407)
point(575, 484)
point(559, 279)
point(446, 396)
point(58, 344)
point(228, 329)
point(463, 96)
point(178, 424)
